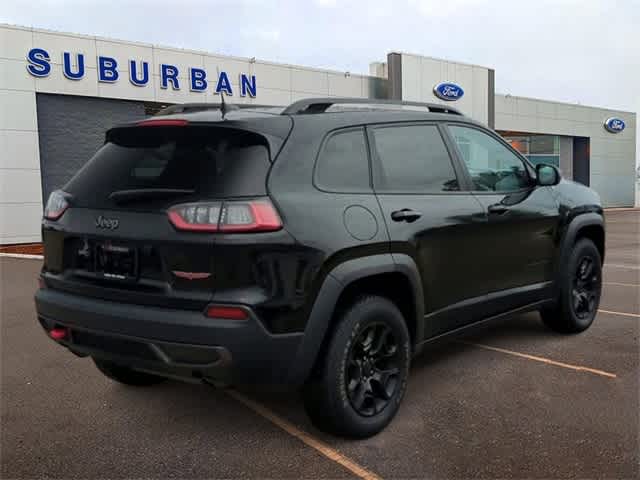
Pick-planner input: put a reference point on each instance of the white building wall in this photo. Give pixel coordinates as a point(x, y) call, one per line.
point(420, 74)
point(612, 156)
point(20, 183)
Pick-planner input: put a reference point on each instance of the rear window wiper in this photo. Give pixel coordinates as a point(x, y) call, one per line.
point(125, 196)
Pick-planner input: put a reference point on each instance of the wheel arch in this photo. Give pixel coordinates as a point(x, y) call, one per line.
point(587, 225)
point(395, 277)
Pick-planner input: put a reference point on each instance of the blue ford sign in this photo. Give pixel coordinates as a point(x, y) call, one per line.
point(614, 125)
point(109, 71)
point(448, 91)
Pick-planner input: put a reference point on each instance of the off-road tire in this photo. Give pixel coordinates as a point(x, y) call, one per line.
point(330, 396)
point(577, 306)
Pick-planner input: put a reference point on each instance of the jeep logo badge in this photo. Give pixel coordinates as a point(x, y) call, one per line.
point(109, 223)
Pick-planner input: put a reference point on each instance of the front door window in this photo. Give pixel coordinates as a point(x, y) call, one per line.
point(492, 166)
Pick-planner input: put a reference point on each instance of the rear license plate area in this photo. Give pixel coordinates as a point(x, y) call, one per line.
point(115, 261)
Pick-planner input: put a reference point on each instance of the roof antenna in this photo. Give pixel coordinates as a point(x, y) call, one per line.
point(223, 105)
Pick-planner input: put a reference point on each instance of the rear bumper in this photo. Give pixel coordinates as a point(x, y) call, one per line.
point(177, 343)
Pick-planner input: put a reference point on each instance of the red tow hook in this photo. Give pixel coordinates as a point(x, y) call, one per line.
point(59, 333)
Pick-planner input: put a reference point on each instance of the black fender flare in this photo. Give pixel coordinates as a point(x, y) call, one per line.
point(334, 284)
point(571, 232)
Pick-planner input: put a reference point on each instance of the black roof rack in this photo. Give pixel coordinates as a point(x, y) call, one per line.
point(201, 107)
point(320, 105)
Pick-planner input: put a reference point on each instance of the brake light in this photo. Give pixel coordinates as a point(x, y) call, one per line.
point(159, 122)
point(226, 313)
point(230, 216)
point(56, 205)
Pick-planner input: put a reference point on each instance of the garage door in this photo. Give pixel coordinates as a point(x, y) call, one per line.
point(72, 128)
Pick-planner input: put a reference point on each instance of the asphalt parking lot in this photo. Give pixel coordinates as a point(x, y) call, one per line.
point(513, 401)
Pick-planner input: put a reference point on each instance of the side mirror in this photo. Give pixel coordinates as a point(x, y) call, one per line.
point(548, 175)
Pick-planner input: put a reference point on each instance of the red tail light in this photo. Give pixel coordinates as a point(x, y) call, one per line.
point(226, 313)
point(231, 216)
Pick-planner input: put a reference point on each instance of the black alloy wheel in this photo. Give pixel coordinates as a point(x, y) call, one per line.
point(373, 367)
point(362, 375)
point(579, 290)
point(585, 290)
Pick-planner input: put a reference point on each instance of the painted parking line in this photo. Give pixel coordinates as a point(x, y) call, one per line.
point(620, 265)
point(22, 255)
point(624, 314)
point(548, 361)
point(621, 209)
point(306, 438)
point(632, 285)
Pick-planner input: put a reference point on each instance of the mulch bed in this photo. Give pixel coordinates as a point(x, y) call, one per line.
point(26, 248)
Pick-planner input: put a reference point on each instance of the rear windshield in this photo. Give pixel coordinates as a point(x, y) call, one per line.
point(145, 166)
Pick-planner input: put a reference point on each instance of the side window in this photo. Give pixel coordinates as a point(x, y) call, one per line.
point(492, 166)
point(343, 164)
point(412, 159)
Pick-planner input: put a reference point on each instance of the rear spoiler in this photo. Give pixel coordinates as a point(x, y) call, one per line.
point(274, 128)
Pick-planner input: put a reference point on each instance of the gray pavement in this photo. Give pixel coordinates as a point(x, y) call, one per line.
point(469, 412)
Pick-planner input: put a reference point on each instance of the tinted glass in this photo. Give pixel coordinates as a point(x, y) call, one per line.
point(211, 162)
point(412, 159)
point(343, 165)
point(537, 148)
point(492, 166)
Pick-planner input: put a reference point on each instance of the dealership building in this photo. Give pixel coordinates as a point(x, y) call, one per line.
point(60, 92)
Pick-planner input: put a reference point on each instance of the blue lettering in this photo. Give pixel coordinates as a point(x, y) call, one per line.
point(107, 69)
point(169, 73)
point(224, 84)
point(68, 71)
point(39, 65)
point(133, 73)
point(198, 82)
point(247, 84)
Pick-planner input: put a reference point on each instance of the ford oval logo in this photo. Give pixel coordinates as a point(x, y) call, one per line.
point(614, 125)
point(448, 91)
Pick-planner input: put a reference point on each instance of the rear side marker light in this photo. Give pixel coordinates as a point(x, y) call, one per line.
point(231, 216)
point(59, 333)
point(226, 313)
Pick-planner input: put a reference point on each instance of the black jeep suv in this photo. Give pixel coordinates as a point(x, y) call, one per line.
point(321, 245)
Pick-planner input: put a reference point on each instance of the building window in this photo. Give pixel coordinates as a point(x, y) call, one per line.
point(537, 148)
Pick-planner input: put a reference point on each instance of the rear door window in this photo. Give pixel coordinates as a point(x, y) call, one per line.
point(412, 159)
point(197, 161)
point(343, 163)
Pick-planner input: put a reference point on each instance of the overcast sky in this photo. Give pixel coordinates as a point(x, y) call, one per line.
point(583, 51)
